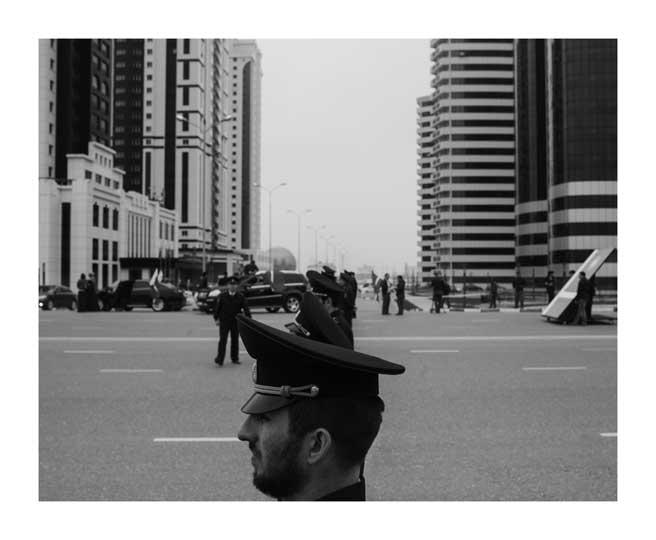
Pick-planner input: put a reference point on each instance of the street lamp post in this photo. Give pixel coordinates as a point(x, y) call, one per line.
point(328, 241)
point(298, 216)
point(204, 130)
point(316, 243)
point(270, 191)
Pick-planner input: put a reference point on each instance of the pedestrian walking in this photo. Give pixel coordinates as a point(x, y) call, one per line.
point(400, 294)
point(92, 298)
point(518, 284)
point(82, 293)
point(581, 299)
point(439, 290)
point(592, 290)
point(314, 413)
point(494, 291)
point(385, 287)
point(228, 305)
point(550, 286)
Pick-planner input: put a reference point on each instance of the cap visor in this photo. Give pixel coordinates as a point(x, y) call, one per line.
point(261, 403)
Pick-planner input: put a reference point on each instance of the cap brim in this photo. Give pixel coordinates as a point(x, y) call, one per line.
point(261, 403)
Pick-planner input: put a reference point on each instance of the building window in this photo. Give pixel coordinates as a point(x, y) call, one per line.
point(185, 46)
point(94, 249)
point(115, 217)
point(49, 172)
point(99, 179)
point(105, 250)
point(114, 272)
point(161, 227)
point(52, 86)
point(52, 106)
point(50, 149)
point(50, 126)
point(95, 214)
point(149, 77)
point(185, 122)
point(105, 217)
point(108, 181)
point(185, 186)
point(114, 251)
point(185, 95)
point(185, 70)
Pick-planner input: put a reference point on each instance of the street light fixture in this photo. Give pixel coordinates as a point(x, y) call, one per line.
point(270, 191)
point(204, 129)
point(316, 243)
point(298, 216)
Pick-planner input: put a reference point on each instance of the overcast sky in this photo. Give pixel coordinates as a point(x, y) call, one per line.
point(339, 126)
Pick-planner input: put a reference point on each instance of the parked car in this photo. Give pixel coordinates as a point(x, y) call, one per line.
point(56, 296)
point(127, 294)
point(285, 292)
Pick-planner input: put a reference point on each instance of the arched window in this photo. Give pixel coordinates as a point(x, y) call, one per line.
point(95, 214)
point(105, 217)
point(115, 219)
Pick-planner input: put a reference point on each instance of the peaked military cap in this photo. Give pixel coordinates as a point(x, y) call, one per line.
point(328, 271)
point(314, 322)
point(289, 368)
point(323, 284)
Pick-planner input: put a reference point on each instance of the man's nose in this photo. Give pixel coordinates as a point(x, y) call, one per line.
point(245, 432)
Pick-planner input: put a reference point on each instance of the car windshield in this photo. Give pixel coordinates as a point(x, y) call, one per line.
point(44, 289)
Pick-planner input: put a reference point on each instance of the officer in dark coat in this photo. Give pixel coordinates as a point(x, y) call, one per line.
point(518, 284)
point(228, 305)
point(315, 410)
point(82, 293)
point(92, 298)
point(400, 294)
point(550, 285)
point(439, 290)
point(385, 291)
point(350, 294)
point(335, 294)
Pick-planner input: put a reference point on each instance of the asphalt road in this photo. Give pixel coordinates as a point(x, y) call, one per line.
point(492, 406)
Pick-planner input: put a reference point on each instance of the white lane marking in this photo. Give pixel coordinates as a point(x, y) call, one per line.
point(46, 320)
point(555, 368)
point(90, 352)
point(600, 349)
point(419, 351)
point(131, 371)
point(160, 339)
point(608, 434)
point(196, 439)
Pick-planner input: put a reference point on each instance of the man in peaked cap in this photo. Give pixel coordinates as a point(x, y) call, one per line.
point(228, 305)
point(315, 411)
point(336, 294)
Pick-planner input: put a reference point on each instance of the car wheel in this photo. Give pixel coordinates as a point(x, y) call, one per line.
point(73, 305)
point(128, 308)
point(273, 309)
point(158, 304)
point(50, 305)
point(292, 304)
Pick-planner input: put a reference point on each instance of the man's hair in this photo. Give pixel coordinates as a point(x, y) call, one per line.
point(353, 423)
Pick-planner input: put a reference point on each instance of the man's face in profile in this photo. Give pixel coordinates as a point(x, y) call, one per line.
point(278, 469)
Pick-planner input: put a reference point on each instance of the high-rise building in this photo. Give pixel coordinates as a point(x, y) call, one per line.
point(47, 106)
point(474, 162)
point(170, 133)
point(83, 97)
point(426, 190)
point(244, 145)
point(566, 154)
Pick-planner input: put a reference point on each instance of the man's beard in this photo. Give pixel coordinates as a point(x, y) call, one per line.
point(284, 475)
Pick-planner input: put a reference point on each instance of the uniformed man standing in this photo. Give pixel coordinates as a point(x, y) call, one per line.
point(550, 285)
point(228, 305)
point(315, 411)
point(385, 287)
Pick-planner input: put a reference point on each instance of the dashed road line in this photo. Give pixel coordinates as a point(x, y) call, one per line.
point(89, 352)
point(196, 439)
point(420, 351)
point(131, 371)
point(600, 349)
point(555, 368)
point(608, 434)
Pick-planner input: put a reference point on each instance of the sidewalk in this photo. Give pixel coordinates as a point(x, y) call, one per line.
point(424, 303)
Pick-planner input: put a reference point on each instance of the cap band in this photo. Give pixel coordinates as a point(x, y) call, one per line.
point(309, 390)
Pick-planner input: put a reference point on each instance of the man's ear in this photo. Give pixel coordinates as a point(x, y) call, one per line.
point(320, 444)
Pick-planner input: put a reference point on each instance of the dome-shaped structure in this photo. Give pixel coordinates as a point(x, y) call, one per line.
point(283, 259)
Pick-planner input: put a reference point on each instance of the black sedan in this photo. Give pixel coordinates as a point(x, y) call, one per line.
point(139, 293)
point(56, 296)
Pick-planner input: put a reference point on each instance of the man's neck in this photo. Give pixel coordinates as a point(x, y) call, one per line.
point(322, 485)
